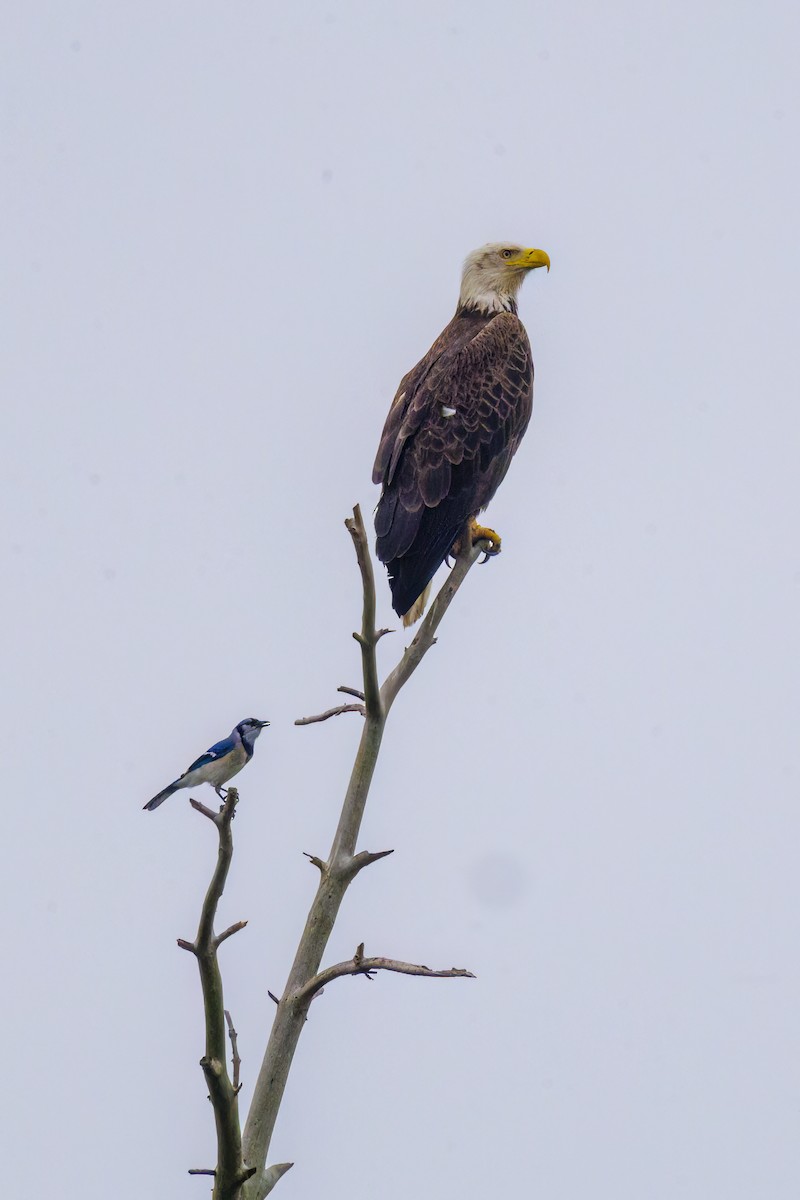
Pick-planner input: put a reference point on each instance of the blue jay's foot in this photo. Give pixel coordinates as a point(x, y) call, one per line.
point(224, 795)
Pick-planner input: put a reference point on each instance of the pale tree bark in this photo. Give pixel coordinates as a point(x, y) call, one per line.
point(241, 1172)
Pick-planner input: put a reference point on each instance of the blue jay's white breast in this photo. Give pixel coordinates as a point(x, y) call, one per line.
point(219, 772)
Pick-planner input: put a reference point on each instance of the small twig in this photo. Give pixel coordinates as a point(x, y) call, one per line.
point(315, 861)
point(332, 712)
point(359, 965)
point(348, 691)
point(235, 1060)
point(201, 808)
point(273, 997)
point(202, 1171)
point(229, 932)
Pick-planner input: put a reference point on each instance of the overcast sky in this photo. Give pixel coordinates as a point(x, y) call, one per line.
point(228, 230)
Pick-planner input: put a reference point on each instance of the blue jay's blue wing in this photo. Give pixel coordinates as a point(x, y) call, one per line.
point(215, 752)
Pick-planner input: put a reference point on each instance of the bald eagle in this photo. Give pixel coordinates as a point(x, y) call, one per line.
point(454, 426)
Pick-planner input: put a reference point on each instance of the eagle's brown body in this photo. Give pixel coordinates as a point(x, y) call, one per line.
point(453, 428)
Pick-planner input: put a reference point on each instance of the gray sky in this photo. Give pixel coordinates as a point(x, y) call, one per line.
point(228, 230)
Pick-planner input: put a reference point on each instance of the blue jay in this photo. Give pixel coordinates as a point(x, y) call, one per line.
point(220, 763)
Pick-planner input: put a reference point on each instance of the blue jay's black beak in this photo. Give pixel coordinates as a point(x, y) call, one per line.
point(263, 724)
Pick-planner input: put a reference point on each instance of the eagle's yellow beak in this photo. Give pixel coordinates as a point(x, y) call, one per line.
point(528, 259)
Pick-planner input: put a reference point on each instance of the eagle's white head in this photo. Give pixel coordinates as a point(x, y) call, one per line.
point(493, 275)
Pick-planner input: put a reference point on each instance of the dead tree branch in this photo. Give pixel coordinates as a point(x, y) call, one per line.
point(332, 712)
point(231, 1171)
point(359, 965)
point(343, 863)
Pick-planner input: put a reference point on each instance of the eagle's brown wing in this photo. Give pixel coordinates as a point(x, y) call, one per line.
point(449, 438)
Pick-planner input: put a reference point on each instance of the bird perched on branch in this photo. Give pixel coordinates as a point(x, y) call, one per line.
point(454, 426)
point(219, 764)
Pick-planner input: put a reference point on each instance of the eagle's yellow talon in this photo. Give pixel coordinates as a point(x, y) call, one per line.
point(480, 533)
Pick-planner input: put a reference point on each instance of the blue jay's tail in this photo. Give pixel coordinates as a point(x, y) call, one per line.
point(161, 797)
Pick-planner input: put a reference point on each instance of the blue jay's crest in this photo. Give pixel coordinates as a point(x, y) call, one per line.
point(251, 723)
point(220, 763)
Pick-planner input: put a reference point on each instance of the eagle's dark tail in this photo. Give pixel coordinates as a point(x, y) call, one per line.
point(411, 574)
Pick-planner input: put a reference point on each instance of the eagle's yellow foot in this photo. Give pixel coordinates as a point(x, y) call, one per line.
point(481, 533)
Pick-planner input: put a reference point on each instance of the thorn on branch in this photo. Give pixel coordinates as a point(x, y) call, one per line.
point(370, 642)
point(273, 997)
point(316, 862)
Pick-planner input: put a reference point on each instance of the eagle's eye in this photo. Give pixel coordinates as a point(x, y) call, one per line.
point(506, 253)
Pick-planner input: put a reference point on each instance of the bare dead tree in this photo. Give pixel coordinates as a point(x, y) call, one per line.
point(241, 1172)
